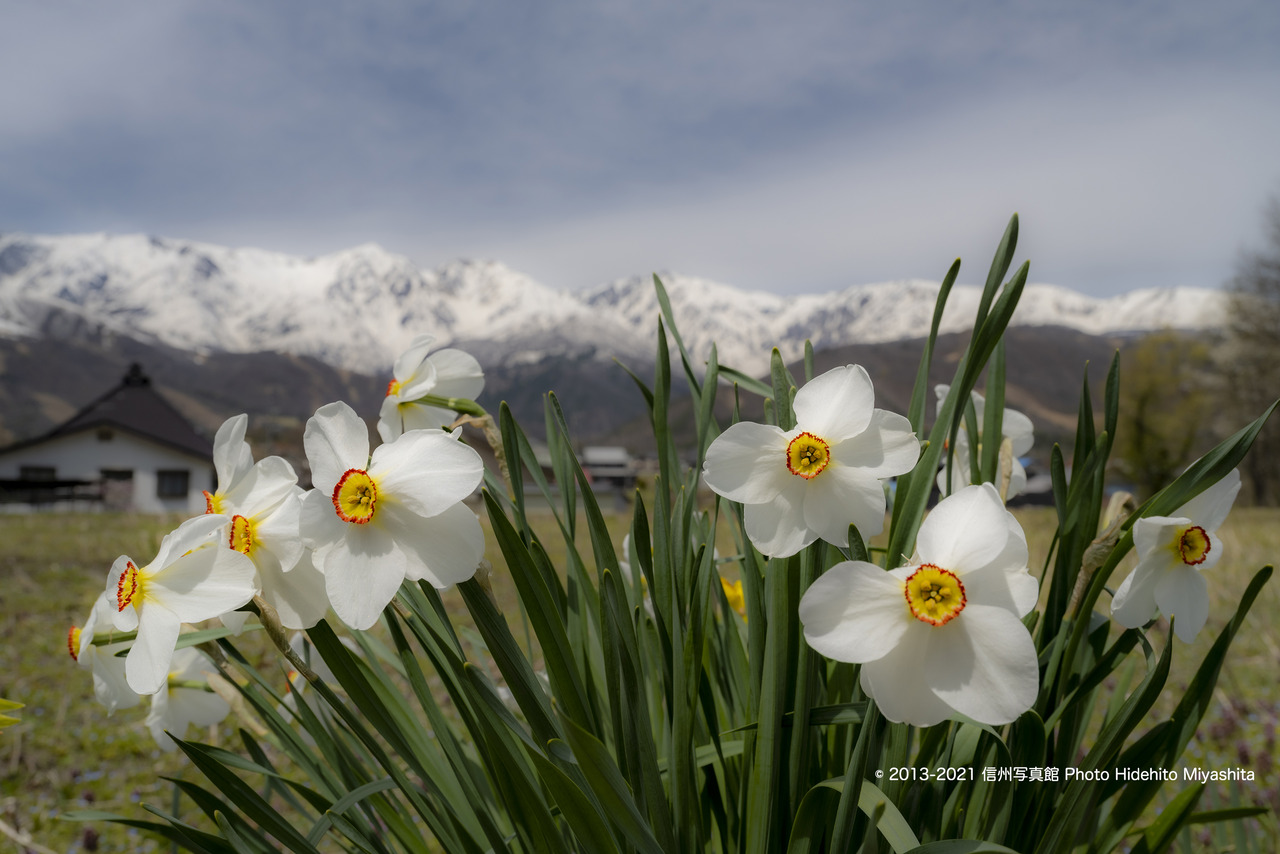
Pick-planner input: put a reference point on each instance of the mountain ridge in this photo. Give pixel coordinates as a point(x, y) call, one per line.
point(357, 308)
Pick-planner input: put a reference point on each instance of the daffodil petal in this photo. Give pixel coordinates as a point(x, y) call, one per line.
point(390, 424)
point(1157, 532)
point(197, 532)
point(232, 458)
point(443, 549)
point(318, 523)
point(203, 584)
point(411, 365)
point(419, 416)
point(777, 528)
point(1134, 602)
point(427, 471)
point(1018, 428)
point(458, 374)
point(147, 665)
point(335, 440)
point(277, 532)
point(110, 686)
point(897, 682)
point(298, 595)
point(1183, 593)
point(1015, 591)
point(966, 532)
point(269, 483)
point(362, 573)
point(748, 463)
point(836, 405)
point(1209, 509)
point(841, 496)
point(983, 664)
point(854, 612)
point(887, 448)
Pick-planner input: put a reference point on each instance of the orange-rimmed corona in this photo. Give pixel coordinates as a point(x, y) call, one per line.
point(212, 502)
point(934, 595)
point(355, 497)
point(73, 643)
point(241, 538)
point(129, 587)
point(807, 456)
point(1193, 546)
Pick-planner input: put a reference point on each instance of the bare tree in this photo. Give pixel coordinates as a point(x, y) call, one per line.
point(1252, 356)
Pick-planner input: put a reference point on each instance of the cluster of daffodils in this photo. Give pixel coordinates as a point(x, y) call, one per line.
point(941, 636)
point(1017, 436)
point(370, 522)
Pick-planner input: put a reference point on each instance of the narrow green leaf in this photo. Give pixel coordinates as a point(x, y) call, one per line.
point(608, 785)
point(1159, 835)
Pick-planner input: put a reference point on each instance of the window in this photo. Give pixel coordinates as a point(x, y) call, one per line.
point(172, 483)
point(42, 473)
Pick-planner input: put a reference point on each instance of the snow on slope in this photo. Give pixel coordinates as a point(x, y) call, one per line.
point(360, 307)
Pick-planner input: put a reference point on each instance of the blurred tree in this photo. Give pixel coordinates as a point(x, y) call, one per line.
point(1168, 403)
point(1251, 357)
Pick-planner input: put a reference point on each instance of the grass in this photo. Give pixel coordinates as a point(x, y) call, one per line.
point(67, 754)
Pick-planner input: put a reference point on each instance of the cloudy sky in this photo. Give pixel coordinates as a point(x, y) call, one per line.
point(791, 147)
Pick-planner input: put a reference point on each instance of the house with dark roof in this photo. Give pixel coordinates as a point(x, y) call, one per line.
point(128, 450)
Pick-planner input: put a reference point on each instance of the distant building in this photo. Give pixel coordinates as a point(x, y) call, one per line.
point(128, 450)
point(609, 466)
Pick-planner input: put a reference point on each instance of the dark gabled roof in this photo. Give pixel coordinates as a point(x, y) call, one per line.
point(134, 407)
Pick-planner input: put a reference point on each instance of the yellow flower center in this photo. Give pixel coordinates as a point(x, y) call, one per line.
point(355, 497)
point(212, 502)
point(807, 456)
point(1193, 546)
point(394, 387)
point(934, 595)
point(73, 643)
point(129, 587)
point(242, 535)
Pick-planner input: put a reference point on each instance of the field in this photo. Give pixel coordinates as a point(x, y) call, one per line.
point(67, 754)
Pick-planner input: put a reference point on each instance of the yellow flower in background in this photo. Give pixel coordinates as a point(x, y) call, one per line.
point(733, 595)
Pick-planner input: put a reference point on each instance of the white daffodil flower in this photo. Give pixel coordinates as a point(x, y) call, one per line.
point(180, 703)
point(942, 636)
point(298, 595)
point(109, 683)
point(194, 577)
point(444, 373)
point(374, 521)
point(1173, 553)
point(1016, 429)
point(264, 503)
point(232, 462)
point(818, 478)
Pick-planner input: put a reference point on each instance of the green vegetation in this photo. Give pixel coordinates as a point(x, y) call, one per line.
point(65, 753)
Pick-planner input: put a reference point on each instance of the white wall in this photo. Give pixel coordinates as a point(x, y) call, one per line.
point(83, 456)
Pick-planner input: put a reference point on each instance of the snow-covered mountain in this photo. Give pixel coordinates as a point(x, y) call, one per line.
point(357, 309)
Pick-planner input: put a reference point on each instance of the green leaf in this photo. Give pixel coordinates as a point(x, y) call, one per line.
point(920, 391)
point(199, 841)
point(609, 787)
point(961, 846)
point(782, 384)
point(244, 797)
point(584, 819)
point(746, 381)
point(1159, 835)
